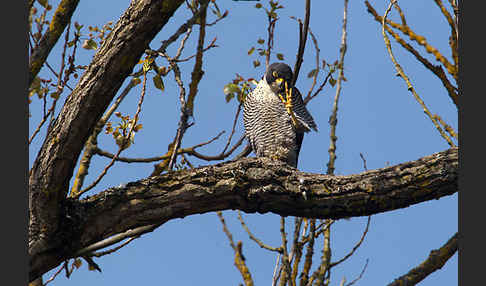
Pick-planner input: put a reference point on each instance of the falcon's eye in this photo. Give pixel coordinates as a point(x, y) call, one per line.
point(275, 74)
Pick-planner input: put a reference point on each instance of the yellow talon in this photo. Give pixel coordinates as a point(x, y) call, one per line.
point(288, 103)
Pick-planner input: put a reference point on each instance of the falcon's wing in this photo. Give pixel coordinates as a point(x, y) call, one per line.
point(301, 112)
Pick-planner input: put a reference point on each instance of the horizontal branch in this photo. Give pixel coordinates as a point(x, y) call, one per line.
point(262, 185)
point(257, 185)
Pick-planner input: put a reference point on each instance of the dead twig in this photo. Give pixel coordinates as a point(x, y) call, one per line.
point(254, 238)
point(355, 247)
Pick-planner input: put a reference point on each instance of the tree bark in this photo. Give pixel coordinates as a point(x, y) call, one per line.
point(54, 164)
point(252, 185)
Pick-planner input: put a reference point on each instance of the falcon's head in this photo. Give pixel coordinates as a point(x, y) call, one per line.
point(277, 75)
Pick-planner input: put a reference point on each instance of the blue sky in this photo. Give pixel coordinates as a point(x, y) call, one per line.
point(377, 117)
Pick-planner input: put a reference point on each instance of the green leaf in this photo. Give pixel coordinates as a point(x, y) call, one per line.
point(158, 82)
point(312, 73)
point(258, 5)
point(90, 44)
point(332, 81)
point(229, 97)
point(256, 63)
point(77, 26)
point(71, 43)
point(251, 50)
point(280, 56)
point(55, 94)
point(231, 88)
point(261, 41)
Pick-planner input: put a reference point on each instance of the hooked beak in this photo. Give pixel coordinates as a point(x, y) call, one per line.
point(279, 81)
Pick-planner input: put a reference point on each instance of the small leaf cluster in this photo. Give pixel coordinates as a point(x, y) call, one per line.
point(332, 69)
point(262, 51)
point(41, 87)
point(97, 34)
point(148, 64)
point(238, 88)
point(274, 6)
point(120, 132)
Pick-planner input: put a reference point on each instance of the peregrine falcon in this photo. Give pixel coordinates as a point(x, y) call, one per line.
point(275, 116)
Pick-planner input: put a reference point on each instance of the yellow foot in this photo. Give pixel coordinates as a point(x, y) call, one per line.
point(288, 103)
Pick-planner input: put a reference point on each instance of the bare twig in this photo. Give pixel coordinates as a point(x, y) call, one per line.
point(197, 71)
point(41, 123)
point(285, 255)
point(276, 274)
point(323, 272)
point(314, 78)
point(296, 250)
point(225, 229)
point(446, 126)
point(55, 274)
point(56, 74)
point(233, 128)
point(181, 30)
point(102, 253)
point(453, 37)
point(270, 30)
point(183, 43)
point(360, 275)
point(364, 161)
point(115, 239)
point(187, 107)
point(333, 117)
point(210, 46)
point(304, 275)
point(308, 98)
point(239, 260)
point(254, 238)
point(355, 247)
point(190, 150)
point(303, 29)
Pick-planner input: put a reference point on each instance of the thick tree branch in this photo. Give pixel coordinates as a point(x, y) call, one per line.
point(53, 167)
point(252, 185)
